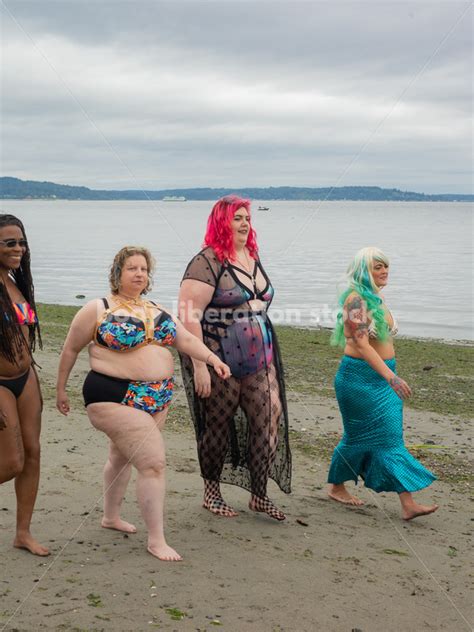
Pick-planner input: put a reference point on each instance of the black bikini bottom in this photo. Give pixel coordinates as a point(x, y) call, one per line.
point(16, 384)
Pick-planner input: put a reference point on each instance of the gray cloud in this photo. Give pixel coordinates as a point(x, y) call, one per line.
point(208, 94)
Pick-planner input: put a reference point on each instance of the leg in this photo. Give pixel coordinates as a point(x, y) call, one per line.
point(12, 454)
point(411, 509)
point(29, 406)
point(137, 437)
point(214, 441)
point(342, 467)
point(261, 402)
point(341, 495)
point(117, 471)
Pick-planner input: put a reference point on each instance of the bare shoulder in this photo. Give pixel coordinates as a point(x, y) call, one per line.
point(92, 307)
point(90, 311)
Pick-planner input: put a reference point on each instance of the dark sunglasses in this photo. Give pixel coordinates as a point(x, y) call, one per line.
point(11, 243)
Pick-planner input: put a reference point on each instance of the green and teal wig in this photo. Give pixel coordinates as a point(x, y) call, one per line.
point(360, 280)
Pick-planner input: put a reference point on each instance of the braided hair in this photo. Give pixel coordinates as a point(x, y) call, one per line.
point(12, 341)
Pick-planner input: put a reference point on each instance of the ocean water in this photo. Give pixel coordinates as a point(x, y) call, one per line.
point(304, 246)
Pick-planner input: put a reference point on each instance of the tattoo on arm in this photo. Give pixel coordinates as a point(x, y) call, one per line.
point(3, 420)
point(361, 331)
point(357, 318)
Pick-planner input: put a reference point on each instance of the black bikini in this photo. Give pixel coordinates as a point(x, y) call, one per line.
point(16, 384)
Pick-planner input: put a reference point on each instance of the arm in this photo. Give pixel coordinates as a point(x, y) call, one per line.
point(80, 334)
point(356, 320)
point(194, 297)
point(191, 345)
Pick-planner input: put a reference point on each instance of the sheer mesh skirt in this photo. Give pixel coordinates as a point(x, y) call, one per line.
point(242, 428)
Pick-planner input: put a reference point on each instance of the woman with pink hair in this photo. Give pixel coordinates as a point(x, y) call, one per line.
point(241, 425)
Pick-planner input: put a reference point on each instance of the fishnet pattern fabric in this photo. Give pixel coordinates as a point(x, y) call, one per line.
point(204, 267)
point(260, 400)
point(241, 430)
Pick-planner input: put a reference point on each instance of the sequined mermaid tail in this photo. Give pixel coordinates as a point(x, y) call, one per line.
point(372, 445)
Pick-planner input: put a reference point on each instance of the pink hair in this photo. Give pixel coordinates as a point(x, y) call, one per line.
point(219, 232)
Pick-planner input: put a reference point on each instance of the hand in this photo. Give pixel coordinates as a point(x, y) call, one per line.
point(62, 403)
point(202, 381)
point(222, 370)
point(400, 387)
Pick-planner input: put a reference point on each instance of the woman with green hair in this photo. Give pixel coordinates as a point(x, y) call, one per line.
point(370, 394)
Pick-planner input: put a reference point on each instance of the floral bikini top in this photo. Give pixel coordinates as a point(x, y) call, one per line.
point(25, 314)
point(124, 333)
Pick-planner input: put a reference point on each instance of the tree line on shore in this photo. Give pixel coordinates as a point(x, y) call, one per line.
point(14, 188)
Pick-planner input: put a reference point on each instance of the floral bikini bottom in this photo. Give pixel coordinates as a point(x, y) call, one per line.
point(151, 397)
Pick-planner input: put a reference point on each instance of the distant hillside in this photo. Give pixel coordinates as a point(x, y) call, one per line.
point(15, 189)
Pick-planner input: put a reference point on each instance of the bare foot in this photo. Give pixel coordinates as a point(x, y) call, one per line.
point(119, 525)
point(164, 552)
point(219, 507)
point(415, 510)
point(340, 494)
point(27, 541)
point(265, 505)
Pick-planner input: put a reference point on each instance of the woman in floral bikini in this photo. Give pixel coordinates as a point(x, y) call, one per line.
point(130, 386)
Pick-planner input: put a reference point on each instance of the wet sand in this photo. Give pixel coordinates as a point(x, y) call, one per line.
point(328, 567)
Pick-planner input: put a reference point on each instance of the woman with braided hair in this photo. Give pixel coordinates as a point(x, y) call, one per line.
point(370, 394)
point(20, 395)
point(242, 424)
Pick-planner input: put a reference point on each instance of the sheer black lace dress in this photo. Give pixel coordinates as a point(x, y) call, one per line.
point(242, 428)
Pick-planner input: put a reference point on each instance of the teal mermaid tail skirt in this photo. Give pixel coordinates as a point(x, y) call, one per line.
point(372, 444)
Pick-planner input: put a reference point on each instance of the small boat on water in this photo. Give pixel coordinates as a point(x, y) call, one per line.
point(263, 208)
point(174, 198)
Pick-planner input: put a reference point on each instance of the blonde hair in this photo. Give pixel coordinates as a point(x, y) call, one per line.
point(359, 272)
point(360, 279)
point(119, 260)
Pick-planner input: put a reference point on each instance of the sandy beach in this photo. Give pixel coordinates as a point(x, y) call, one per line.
point(328, 567)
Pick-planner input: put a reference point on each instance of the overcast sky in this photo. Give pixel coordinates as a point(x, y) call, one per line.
point(159, 95)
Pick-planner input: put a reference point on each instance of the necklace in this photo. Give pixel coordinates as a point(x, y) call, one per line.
point(245, 264)
point(130, 299)
point(129, 302)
